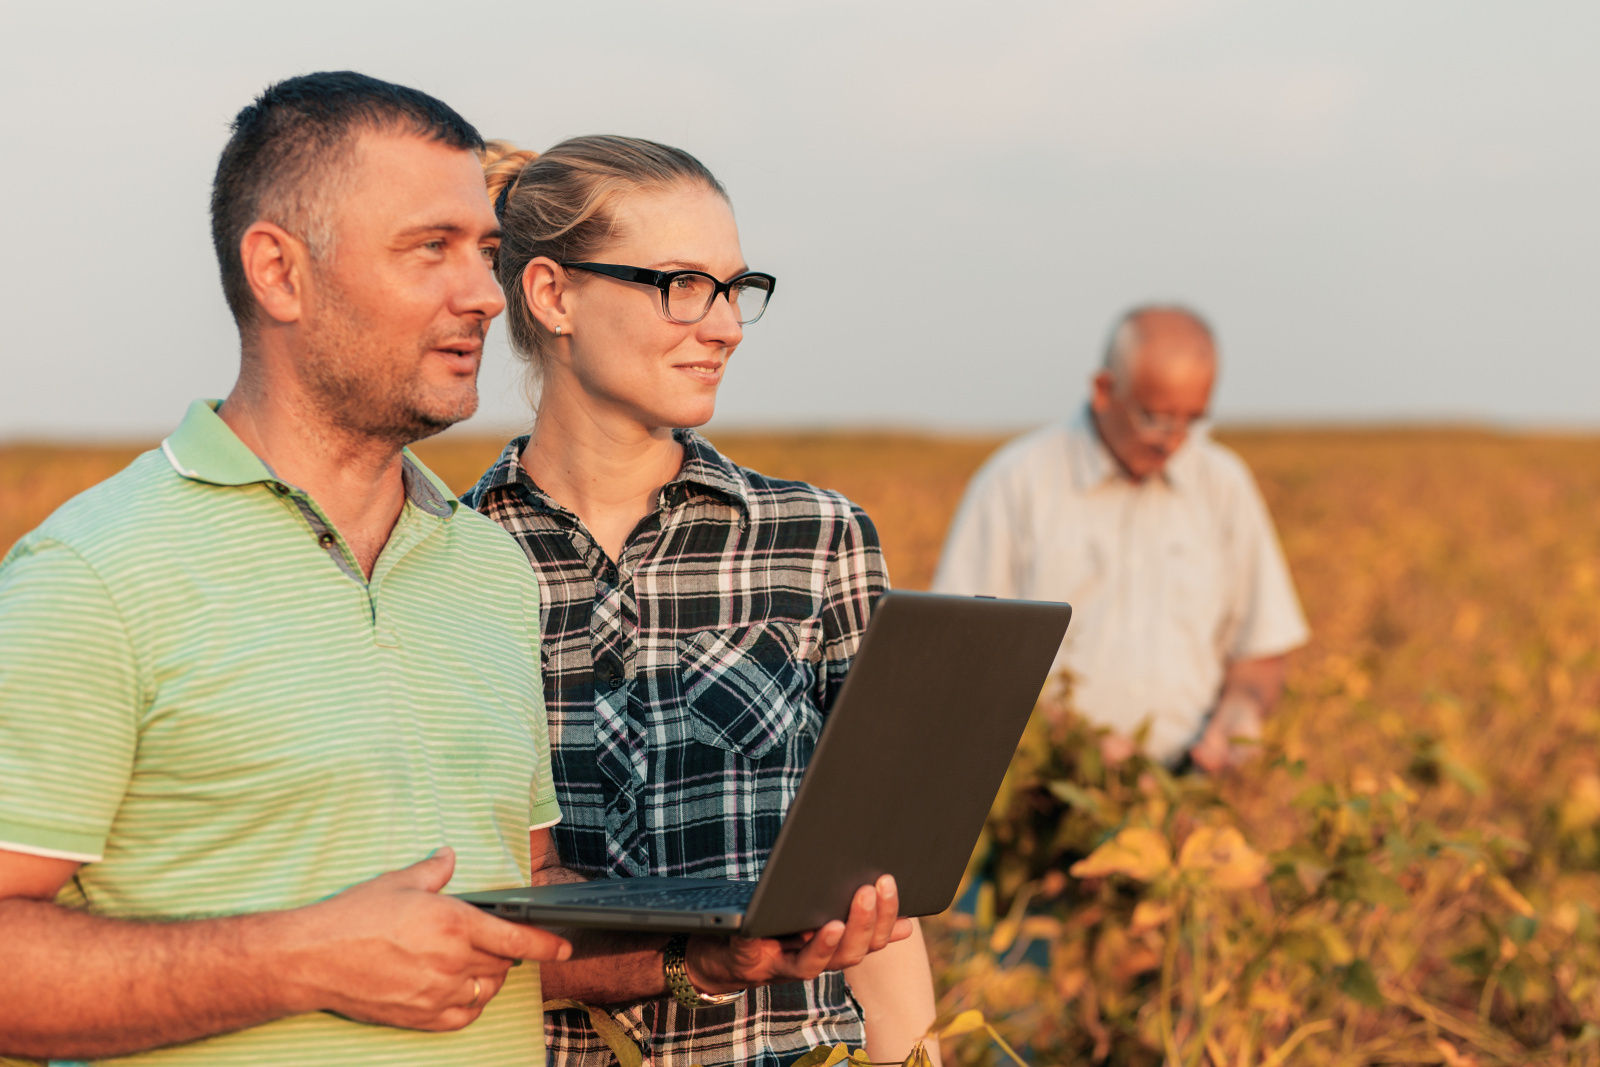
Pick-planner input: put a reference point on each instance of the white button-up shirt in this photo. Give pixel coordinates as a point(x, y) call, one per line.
point(1171, 579)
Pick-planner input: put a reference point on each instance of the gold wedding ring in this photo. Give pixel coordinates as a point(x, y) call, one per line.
point(477, 991)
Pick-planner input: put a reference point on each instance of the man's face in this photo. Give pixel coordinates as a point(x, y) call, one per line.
point(396, 314)
point(1147, 417)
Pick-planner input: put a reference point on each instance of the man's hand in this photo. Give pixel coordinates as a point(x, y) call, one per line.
point(1231, 738)
point(394, 951)
point(1250, 690)
point(723, 965)
point(74, 985)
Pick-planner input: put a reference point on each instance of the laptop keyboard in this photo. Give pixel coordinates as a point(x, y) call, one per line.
point(687, 898)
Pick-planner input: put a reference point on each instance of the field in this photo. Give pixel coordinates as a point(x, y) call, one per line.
point(1410, 875)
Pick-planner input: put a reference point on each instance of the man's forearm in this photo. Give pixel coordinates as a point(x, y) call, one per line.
point(74, 985)
point(1259, 681)
point(607, 967)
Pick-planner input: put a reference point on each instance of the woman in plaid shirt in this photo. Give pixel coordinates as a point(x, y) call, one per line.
point(697, 618)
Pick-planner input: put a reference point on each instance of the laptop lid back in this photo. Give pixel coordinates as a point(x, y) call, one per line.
point(910, 758)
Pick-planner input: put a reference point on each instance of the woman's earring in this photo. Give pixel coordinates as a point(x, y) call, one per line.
point(558, 331)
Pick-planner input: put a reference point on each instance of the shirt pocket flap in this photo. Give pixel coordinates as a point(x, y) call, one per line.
point(744, 687)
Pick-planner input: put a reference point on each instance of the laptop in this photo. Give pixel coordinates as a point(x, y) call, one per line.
point(908, 763)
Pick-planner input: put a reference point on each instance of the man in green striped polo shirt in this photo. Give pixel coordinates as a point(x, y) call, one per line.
point(268, 691)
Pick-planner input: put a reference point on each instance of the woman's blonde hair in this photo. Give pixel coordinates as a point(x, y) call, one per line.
point(562, 204)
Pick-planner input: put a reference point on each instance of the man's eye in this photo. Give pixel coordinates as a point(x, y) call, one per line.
point(490, 254)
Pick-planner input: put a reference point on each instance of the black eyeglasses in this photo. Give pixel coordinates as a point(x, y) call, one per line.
point(687, 295)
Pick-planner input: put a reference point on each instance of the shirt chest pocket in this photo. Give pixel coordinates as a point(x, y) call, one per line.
point(747, 688)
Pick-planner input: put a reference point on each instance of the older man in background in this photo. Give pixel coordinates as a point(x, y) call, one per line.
point(1157, 536)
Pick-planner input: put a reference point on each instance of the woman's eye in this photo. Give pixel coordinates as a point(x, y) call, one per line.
point(685, 282)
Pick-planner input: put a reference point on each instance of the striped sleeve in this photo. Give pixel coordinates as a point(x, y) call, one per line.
point(69, 700)
point(546, 809)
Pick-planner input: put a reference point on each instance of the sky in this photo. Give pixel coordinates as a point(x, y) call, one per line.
point(1388, 211)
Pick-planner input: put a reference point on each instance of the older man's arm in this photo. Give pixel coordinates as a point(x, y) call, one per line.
point(1250, 690)
point(391, 951)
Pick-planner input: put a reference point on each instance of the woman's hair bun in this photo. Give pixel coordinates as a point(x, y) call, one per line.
point(502, 162)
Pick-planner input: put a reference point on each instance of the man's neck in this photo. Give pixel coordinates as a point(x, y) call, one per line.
point(1121, 467)
point(356, 480)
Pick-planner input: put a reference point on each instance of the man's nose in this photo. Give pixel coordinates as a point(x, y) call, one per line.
point(479, 292)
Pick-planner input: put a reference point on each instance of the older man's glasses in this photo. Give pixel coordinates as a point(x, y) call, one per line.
point(1152, 425)
point(687, 295)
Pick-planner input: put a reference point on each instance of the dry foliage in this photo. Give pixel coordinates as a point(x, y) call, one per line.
point(1409, 874)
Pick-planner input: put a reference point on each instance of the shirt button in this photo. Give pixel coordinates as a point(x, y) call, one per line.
point(326, 540)
point(278, 487)
point(609, 674)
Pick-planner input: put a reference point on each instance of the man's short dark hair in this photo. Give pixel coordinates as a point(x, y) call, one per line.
point(291, 150)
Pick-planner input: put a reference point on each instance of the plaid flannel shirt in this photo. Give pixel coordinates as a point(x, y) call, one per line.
point(686, 684)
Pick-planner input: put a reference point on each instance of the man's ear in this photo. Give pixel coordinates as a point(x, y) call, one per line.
point(544, 287)
point(1105, 385)
point(276, 266)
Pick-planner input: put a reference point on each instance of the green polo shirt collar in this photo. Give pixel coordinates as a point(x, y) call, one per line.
point(204, 449)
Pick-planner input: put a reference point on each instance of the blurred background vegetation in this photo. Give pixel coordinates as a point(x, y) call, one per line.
point(1411, 871)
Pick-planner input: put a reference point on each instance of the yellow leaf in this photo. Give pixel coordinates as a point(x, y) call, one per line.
point(823, 1056)
point(1269, 1000)
point(1336, 944)
point(1222, 854)
point(1581, 808)
point(1507, 893)
point(1147, 915)
point(965, 1023)
point(1136, 852)
point(1399, 788)
point(622, 1047)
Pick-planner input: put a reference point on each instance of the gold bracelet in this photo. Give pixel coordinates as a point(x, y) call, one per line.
point(675, 964)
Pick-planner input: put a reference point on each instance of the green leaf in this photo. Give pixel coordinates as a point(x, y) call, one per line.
point(1303, 946)
point(1521, 928)
point(1075, 795)
point(1357, 879)
point(1478, 961)
point(1360, 984)
point(1465, 777)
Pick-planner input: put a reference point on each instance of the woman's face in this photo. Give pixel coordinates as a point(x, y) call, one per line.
point(624, 358)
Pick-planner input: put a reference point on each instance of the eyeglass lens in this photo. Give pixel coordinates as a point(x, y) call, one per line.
point(689, 296)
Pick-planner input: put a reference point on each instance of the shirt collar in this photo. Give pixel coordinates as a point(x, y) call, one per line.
point(1093, 465)
point(704, 469)
point(204, 449)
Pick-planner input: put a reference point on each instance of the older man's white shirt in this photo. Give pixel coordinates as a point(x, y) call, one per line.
point(1170, 579)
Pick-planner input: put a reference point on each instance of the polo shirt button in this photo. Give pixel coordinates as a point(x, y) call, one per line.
point(326, 540)
point(278, 487)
